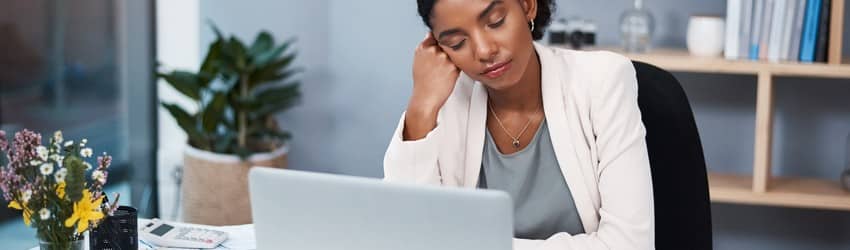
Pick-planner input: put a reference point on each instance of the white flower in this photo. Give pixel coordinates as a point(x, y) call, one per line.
point(46, 169)
point(57, 137)
point(42, 152)
point(44, 213)
point(86, 152)
point(88, 166)
point(99, 176)
point(35, 163)
point(60, 175)
point(84, 142)
point(69, 143)
point(26, 195)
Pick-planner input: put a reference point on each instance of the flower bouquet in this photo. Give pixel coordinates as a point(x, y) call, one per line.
point(48, 184)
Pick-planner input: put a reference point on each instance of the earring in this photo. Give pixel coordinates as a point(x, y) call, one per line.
point(532, 25)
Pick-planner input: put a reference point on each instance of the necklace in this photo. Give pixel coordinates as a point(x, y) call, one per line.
point(514, 139)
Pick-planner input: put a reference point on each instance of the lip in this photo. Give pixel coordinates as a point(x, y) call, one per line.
point(497, 70)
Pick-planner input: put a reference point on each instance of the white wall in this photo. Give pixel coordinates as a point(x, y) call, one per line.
point(177, 48)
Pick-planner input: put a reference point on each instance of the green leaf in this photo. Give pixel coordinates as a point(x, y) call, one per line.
point(209, 68)
point(188, 123)
point(187, 83)
point(268, 56)
point(238, 53)
point(272, 72)
point(263, 42)
point(215, 29)
point(275, 100)
point(213, 112)
point(76, 179)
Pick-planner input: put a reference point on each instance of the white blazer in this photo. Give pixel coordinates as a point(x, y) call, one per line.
point(590, 103)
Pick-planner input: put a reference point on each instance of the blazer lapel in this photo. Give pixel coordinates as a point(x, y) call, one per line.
point(475, 134)
point(554, 108)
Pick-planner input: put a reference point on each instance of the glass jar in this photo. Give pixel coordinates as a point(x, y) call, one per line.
point(636, 28)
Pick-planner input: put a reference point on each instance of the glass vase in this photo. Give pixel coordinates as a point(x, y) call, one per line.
point(636, 28)
point(68, 245)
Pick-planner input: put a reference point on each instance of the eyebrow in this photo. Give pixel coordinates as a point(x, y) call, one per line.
point(483, 14)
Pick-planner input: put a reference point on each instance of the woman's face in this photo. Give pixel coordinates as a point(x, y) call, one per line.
point(489, 40)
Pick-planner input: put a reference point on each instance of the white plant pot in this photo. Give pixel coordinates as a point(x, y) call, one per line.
point(706, 35)
point(215, 186)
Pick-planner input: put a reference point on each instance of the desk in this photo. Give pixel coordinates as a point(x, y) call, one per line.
point(239, 237)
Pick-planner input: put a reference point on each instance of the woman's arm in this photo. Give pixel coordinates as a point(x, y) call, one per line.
point(625, 181)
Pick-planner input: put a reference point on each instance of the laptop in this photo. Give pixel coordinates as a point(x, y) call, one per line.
point(313, 211)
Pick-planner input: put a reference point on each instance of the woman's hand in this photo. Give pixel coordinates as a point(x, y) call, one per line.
point(434, 77)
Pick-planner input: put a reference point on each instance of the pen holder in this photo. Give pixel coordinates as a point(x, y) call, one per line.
point(116, 232)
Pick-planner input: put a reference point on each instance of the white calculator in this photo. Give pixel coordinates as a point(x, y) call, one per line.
point(168, 235)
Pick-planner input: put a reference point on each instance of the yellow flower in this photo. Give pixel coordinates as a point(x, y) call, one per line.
point(85, 211)
point(60, 190)
point(27, 212)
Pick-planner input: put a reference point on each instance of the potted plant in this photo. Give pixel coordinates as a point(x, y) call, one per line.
point(49, 185)
point(237, 91)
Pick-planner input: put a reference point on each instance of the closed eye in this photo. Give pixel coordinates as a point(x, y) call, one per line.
point(497, 23)
point(458, 45)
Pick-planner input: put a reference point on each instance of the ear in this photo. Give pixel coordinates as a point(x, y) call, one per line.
point(530, 8)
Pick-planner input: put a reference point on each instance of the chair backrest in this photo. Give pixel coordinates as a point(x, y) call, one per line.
point(679, 178)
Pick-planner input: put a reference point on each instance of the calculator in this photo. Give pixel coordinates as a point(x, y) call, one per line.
point(164, 234)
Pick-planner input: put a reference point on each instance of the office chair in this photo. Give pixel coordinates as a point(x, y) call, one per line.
point(679, 178)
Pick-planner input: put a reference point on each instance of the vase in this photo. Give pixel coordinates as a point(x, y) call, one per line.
point(68, 245)
point(636, 28)
point(215, 186)
point(706, 36)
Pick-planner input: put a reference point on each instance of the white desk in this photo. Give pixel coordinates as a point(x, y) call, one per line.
point(238, 237)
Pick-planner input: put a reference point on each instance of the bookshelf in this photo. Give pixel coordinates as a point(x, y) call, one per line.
point(761, 187)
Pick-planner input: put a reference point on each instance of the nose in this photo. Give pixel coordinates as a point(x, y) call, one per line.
point(486, 48)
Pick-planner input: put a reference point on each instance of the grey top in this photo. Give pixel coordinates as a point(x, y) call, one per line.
point(543, 204)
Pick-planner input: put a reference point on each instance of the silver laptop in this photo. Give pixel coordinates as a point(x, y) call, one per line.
point(312, 211)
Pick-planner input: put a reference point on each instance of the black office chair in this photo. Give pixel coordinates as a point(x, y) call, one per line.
point(679, 179)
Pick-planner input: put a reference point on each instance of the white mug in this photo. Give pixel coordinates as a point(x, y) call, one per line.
point(706, 35)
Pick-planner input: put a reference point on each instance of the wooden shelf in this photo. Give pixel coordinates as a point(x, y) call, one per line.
point(681, 60)
point(785, 192)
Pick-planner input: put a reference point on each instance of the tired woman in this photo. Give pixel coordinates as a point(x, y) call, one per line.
point(558, 130)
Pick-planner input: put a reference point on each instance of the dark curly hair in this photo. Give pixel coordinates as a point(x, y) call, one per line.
point(545, 8)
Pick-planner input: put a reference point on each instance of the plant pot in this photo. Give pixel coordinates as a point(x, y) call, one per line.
point(215, 186)
point(71, 245)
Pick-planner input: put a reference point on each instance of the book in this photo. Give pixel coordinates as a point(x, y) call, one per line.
point(766, 25)
point(746, 29)
point(797, 31)
point(822, 44)
point(733, 26)
point(810, 30)
point(777, 26)
point(755, 38)
point(787, 29)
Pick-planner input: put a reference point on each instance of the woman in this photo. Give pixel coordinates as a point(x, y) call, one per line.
point(558, 130)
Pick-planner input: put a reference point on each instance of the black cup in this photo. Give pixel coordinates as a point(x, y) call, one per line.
point(116, 232)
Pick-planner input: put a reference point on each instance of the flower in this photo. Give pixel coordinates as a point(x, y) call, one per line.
point(42, 152)
point(99, 176)
point(69, 143)
point(44, 214)
point(57, 137)
point(35, 163)
point(86, 152)
point(27, 212)
point(85, 212)
point(60, 190)
point(88, 165)
point(60, 175)
point(46, 169)
point(84, 142)
point(26, 195)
